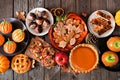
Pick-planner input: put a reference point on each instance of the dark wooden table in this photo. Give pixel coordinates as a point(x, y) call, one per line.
point(8, 9)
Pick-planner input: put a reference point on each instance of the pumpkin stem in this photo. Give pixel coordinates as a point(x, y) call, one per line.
point(3, 22)
point(24, 29)
point(8, 39)
point(4, 19)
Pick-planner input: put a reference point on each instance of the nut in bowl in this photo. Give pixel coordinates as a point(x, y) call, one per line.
point(101, 23)
point(38, 21)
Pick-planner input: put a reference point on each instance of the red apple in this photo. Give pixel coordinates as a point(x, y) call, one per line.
point(61, 58)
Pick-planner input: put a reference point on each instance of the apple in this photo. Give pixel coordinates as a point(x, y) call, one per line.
point(61, 58)
point(110, 58)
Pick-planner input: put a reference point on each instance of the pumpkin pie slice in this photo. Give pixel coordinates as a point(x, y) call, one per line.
point(83, 58)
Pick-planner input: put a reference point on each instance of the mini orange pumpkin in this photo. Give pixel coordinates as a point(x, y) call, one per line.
point(5, 27)
point(18, 35)
point(2, 39)
point(4, 64)
point(9, 47)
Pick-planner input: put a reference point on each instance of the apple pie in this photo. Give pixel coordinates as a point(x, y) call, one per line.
point(21, 63)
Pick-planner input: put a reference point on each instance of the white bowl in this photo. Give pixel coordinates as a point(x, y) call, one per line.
point(90, 25)
point(50, 18)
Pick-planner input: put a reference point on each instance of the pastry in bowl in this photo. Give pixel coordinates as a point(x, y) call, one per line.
point(21, 63)
point(110, 58)
point(83, 58)
point(67, 32)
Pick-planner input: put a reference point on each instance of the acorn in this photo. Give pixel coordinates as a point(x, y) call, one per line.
point(46, 23)
point(39, 20)
point(32, 16)
point(40, 28)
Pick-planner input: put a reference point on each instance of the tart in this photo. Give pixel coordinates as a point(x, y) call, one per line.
point(83, 58)
point(21, 63)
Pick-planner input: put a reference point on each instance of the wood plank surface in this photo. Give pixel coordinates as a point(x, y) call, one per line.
point(113, 6)
point(35, 3)
point(68, 5)
point(84, 76)
point(54, 73)
point(38, 72)
point(66, 76)
point(52, 4)
point(83, 6)
point(20, 5)
point(8, 75)
point(97, 5)
point(8, 9)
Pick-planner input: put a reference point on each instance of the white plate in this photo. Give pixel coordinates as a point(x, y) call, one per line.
point(50, 18)
point(90, 25)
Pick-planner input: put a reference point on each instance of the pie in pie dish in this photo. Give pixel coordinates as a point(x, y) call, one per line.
point(83, 58)
point(21, 63)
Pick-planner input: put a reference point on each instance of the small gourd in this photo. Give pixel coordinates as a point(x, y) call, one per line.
point(5, 27)
point(117, 18)
point(4, 64)
point(9, 47)
point(18, 35)
point(2, 39)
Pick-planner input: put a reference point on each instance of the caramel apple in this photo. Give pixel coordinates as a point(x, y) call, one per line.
point(110, 58)
point(113, 44)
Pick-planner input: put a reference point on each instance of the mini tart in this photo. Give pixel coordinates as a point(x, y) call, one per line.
point(83, 58)
point(21, 63)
